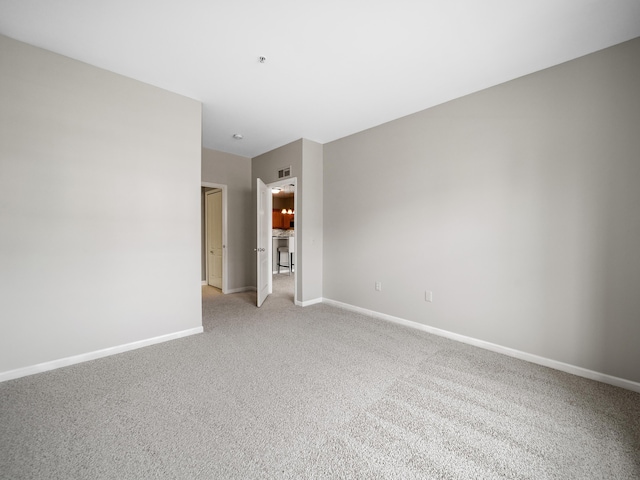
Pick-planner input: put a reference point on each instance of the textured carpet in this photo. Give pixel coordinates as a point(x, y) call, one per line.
point(315, 392)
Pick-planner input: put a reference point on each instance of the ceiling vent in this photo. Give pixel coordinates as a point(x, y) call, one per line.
point(284, 172)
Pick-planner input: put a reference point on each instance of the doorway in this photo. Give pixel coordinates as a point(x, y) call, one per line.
point(285, 237)
point(265, 240)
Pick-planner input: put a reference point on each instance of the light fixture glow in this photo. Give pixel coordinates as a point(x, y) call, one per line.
point(284, 210)
point(276, 190)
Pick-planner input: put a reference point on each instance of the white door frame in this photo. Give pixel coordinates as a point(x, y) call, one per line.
point(280, 183)
point(225, 269)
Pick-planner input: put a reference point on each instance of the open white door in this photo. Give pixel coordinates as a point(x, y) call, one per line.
point(263, 249)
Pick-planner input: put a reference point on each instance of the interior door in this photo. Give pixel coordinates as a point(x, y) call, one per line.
point(263, 248)
point(213, 210)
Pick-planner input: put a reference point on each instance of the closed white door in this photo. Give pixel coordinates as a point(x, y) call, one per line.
point(213, 210)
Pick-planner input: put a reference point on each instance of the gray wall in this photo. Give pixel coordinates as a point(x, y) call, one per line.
point(99, 209)
point(234, 171)
point(305, 159)
point(517, 206)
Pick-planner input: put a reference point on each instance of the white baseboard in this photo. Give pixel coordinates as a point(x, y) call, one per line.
point(85, 357)
point(309, 302)
point(204, 282)
point(241, 289)
point(546, 362)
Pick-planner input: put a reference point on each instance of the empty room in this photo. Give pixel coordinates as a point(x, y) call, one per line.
point(319, 239)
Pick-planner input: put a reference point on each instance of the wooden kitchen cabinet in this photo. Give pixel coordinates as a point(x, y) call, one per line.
point(281, 220)
point(278, 220)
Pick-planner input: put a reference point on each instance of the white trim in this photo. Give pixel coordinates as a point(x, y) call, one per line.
point(529, 357)
point(204, 282)
point(309, 302)
point(85, 357)
point(225, 269)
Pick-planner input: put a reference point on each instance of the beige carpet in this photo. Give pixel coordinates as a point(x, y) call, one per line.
point(315, 392)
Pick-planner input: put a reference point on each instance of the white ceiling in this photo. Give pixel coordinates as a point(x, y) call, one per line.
point(333, 68)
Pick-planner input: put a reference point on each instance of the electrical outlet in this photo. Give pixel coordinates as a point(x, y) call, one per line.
point(428, 296)
point(378, 286)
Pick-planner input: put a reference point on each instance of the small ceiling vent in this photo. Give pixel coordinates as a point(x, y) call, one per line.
point(284, 172)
